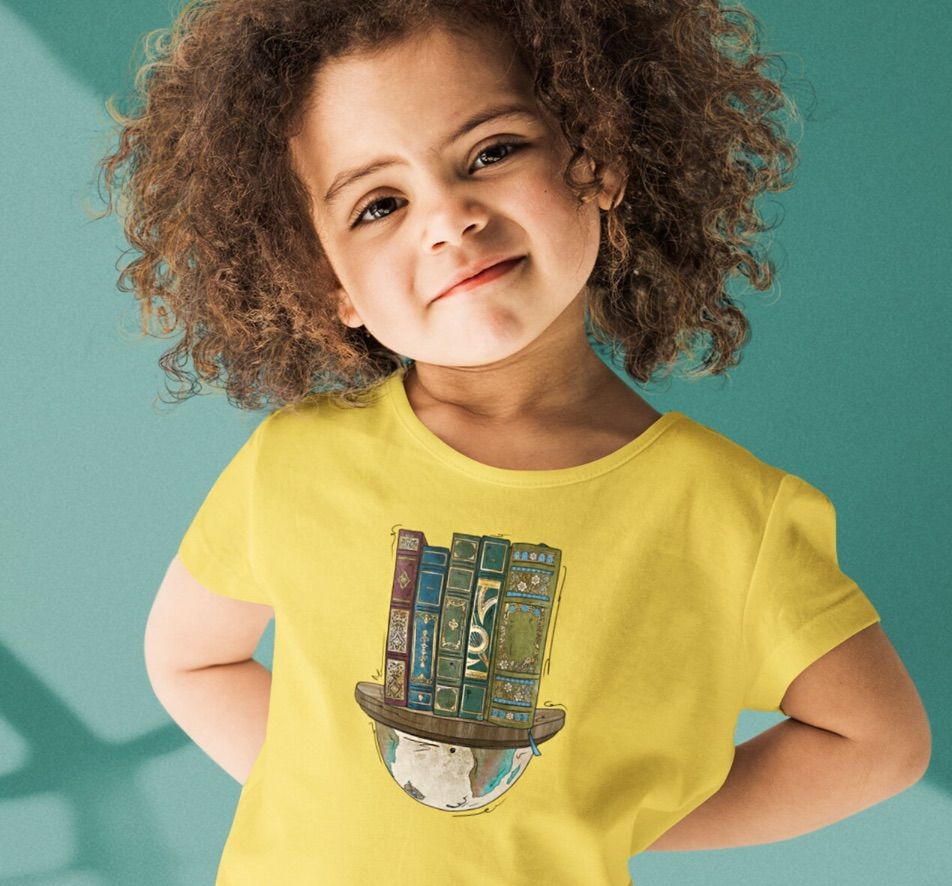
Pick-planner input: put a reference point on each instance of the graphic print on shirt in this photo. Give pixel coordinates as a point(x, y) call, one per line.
point(455, 720)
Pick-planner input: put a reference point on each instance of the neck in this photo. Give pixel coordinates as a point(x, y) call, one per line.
point(557, 375)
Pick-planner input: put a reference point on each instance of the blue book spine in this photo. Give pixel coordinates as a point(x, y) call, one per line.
point(431, 581)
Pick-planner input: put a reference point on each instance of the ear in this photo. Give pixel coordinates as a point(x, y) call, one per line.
point(613, 184)
point(613, 188)
point(346, 310)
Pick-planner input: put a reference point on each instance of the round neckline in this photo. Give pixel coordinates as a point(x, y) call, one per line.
point(396, 395)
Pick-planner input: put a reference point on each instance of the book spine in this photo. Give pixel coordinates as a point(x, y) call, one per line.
point(490, 575)
point(399, 625)
point(426, 616)
point(515, 671)
point(454, 624)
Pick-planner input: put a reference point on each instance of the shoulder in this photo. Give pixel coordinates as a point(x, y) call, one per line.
point(315, 421)
point(708, 449)
point(716, 467)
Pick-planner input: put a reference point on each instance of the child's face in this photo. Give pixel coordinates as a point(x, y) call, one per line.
point(442, 208)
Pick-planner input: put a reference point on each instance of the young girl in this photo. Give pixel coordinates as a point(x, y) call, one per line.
point(518, 611)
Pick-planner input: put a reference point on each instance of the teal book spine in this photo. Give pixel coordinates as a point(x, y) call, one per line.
point(521, 632)
point(490, 574)
point(454, 624)
point(426, 617)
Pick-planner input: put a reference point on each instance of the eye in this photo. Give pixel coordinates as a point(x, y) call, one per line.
point(371, 207)
point(512, 146)
point(375, 205)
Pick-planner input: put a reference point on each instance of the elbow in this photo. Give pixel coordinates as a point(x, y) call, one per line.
point(149, 657)
point(920, 759)
point(921, 753)
point(156, 662)
point(900, 761)
point(917, 755)
point(910, 745)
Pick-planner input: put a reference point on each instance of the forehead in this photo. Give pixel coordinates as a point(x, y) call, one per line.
point(406, 97)
point(427, 69)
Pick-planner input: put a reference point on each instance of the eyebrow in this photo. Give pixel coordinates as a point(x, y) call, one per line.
point(349, 176)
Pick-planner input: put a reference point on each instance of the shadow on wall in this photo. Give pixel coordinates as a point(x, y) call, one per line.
point(115, 832)
point(98, 45)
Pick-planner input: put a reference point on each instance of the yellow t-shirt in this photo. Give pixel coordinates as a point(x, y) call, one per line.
point(692, 580)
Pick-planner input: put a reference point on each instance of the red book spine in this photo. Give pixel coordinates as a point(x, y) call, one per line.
point(400, 624)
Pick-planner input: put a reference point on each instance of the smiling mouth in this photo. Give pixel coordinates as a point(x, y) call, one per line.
point(494, 272)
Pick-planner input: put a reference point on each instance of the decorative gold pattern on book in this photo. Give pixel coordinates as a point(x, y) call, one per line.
point(394, 678)
point(397, 635)
point(425, 649)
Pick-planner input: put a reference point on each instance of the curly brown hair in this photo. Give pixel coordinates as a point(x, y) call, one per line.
point(672, 92)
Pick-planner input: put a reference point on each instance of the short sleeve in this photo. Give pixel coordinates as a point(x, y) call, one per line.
point(800, 604)
point(218, 547)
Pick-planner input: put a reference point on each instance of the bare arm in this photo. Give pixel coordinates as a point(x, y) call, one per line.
point(857, 735)
point(791, 779)
point(198, 648)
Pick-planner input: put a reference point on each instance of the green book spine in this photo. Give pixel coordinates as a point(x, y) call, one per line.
point(523, 625)
point(490, 575)
point(454, 624)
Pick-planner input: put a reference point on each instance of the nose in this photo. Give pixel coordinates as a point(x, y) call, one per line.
point(451, 216)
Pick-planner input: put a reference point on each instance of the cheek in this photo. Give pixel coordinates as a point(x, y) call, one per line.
point(556, 206)
point(378, 269)
point(568, 231)
point(370, 263)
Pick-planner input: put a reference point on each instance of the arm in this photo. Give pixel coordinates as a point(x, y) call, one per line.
point(857, 734)
point(198, 648)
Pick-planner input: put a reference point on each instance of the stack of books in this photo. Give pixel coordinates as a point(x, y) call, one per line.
point(468, 626)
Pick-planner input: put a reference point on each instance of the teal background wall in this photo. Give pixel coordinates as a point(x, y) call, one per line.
point(845, 383)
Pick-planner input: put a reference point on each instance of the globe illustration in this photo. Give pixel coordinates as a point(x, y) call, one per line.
point(449, 776)
point(449, 763)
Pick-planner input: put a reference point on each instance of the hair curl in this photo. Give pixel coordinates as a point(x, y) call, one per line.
point(669, 91)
